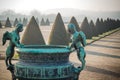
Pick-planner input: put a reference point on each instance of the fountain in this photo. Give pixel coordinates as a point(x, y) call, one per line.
point(44, 62)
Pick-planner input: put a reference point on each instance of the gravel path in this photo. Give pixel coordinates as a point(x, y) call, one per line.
point(102, 60)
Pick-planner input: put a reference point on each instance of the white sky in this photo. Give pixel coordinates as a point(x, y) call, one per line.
point(42, 5)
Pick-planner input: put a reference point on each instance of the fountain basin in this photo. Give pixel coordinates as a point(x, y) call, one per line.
point(43, 62)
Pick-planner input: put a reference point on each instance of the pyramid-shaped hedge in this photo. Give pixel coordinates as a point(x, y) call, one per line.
point(15, 22)
point(74, 21)
point(93, 28)
point(42, 23)
point(86, 28)
point(0, 24)
point(25, 21)
point(58, 35)
point(8, 23)
point(32, 34)
point(47, 22)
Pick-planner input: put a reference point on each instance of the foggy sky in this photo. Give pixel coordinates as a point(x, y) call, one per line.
point(42, 5)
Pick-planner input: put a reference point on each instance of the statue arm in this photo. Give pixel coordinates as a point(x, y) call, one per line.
point(82, 38)
point(73, 43)
point(16, 43)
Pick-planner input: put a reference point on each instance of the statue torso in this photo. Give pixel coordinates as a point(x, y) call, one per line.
point(76, 37)
point(15, 37)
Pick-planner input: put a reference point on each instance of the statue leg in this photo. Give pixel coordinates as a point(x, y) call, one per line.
point(6, 61)
point(81, 56)
point(76, 73)
point(10, 61)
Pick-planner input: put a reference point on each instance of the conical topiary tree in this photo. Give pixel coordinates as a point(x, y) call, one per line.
point(93, 28)
point(15, 22)
point(58, 35)
point(98, 26)
point(32, 34)
point(0, 24)
point(8, 23)
point(101, 26)
point(86, 28)
point(47, 22)
point(20, 21)
point(42, 23)
point(74, 21)
point(25, 21)
point(37, 20)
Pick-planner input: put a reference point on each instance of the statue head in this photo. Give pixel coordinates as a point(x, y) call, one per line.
point(71, 28)
point(19, 27)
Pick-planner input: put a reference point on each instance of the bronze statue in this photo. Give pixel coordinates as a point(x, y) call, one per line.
point(14, 38)
point(78, 41)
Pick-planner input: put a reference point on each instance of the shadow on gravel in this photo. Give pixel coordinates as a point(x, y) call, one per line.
point(110, 41)
point(98, 45)
point(116, 38)
point(102, 54)
point(98, 70)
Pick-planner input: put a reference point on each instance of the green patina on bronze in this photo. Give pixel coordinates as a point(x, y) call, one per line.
point(13, 38)
point(44, 62)
point(78, 41)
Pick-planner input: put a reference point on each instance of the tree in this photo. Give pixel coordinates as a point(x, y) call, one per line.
point(58, 35)
point(35, 13)
point(47, 22)
point(86, 28)
point(15, 22)
point(32, 34)
point(0, 24)
point(25, 21)
point(42, 23)
point(93, 28)
point(74, 21)
point(8, 23)
point(37, 20)
point(97, 24)
point(20, 21)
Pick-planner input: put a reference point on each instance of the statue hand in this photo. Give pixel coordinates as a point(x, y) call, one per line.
point(68, 47)
point(21, 45)
point(77, 70)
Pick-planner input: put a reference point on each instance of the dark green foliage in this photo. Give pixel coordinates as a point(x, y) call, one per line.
point(42, 23)
point(25, 21)
point(86, 28)
point(47, 22)
point(0, 24)
point(93, 28)
point(8, 23)
point(37, 20)
point(32, 34)
point(74, 21)
point(97, 26)
point(58, 35)
point(20, 21)
point(15, 22)
point(100, 26)
point(106, 25)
